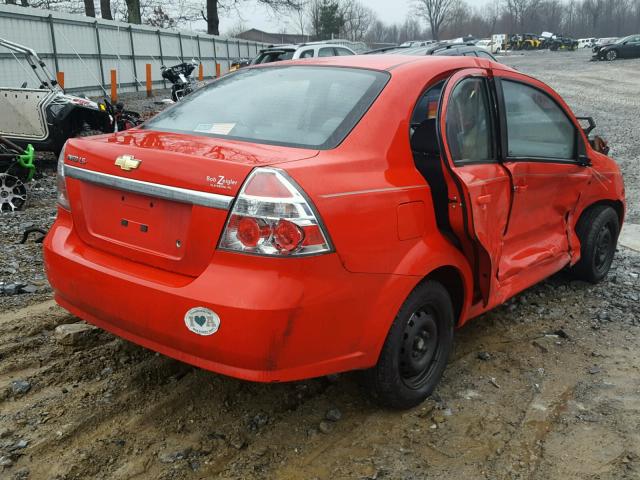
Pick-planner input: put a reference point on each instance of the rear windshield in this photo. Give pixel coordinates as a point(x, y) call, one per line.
point(275, 56)
point(298, 106)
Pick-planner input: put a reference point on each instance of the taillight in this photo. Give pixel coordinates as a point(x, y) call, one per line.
point(63, 200)
point(272, 216)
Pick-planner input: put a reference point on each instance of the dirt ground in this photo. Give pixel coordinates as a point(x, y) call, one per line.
point(545, 387)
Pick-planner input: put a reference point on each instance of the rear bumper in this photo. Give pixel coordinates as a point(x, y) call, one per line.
point(281, 319)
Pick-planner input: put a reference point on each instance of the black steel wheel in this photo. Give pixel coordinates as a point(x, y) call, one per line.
point(419, 348)
point(416, 349)
point(598, 230)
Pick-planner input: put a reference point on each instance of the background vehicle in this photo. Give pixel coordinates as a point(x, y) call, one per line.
point(417, 43)
point(182, 83)
point(498, 42)
point(529, 41)
point(43, 115)
point(587, 42)
point(627, 47)
point(238, 63)
point(485, 43)
point(445, 49)
point(276, 53)
point(437, 225)
point(558, 42)
point(122, 119)
point(605, 41)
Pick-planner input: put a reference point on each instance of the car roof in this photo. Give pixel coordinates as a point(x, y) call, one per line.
point(384, 62)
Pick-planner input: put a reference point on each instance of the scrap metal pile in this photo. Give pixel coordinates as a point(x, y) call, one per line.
point(43, 116)
point(16, 170)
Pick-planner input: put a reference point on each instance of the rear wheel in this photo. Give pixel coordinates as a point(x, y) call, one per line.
point(597, 230)
point(416, 350)
point(611, 55)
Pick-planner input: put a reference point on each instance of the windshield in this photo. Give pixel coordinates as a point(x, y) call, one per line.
point(622, 40)
point(299, 106)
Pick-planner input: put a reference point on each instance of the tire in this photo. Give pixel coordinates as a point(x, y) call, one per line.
point(174, 94)
point(598, 230)
point(611, 55)
point(416, 350)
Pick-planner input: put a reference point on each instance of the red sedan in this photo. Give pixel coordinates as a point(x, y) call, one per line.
point(310, 217)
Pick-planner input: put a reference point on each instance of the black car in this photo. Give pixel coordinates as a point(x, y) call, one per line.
point(627, 47)
point(446, 49)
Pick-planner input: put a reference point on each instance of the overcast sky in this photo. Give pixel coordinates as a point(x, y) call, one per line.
point(260, 17)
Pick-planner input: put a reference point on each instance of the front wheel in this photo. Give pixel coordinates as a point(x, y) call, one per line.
point(416, 350)
point(597, 230)
point(611, 55)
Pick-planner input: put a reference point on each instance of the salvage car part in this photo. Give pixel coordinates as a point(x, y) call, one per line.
point(13, 158)
point(13, 193)
point(45, 116)
point(317, 216)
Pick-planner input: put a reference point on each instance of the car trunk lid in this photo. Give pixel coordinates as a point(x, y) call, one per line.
point(160, 198)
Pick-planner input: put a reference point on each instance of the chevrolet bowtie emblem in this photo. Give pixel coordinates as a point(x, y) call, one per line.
point(127, 162)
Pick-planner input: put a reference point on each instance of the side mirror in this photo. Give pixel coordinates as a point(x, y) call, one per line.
point(425, 138)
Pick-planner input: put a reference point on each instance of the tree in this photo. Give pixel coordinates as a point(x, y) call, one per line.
point(299, 17)
point(356, 19)
point(331, 19)
point(160, 19)
point(436, 12)
point(105, 9)
point(133, 12)
point(89, 8)
point(213, 19)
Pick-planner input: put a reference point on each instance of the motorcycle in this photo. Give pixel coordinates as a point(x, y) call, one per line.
point(121, 119)
point(180, 77)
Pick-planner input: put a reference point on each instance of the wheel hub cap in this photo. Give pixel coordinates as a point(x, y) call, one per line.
point(603, 247)
point(420, 344)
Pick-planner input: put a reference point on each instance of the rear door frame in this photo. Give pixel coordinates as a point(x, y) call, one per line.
point(460, 200)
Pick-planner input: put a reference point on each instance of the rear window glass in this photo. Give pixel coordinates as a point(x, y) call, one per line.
point(276, 56)
point(303, 106)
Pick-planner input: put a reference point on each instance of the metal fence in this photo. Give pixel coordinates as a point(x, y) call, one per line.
point(87, 49)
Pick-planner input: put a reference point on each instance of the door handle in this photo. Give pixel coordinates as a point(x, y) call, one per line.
point(520, 188)
point(483, 200)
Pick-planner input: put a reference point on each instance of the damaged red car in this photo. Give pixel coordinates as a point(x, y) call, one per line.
point(349, 213)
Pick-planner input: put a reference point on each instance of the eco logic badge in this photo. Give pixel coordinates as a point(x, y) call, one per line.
point(202, 321)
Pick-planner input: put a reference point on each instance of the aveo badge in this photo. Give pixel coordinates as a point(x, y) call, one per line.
point(202, 321)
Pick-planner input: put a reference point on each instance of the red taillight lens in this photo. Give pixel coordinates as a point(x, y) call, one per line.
point(271, 216)
point(287, 235)
point(63, 200)
point(250, 231)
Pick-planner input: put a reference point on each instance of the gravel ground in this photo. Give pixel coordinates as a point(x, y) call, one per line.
point(545, 387)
